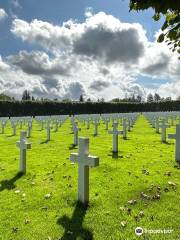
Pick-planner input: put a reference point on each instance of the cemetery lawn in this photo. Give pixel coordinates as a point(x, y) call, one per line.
point(41, 205)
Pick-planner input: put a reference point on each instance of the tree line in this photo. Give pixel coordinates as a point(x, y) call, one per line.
point(36, 108)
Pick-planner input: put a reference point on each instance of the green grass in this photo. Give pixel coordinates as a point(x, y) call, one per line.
point(117, 180)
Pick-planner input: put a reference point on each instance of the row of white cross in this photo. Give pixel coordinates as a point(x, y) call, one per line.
point(160, 120)
point(83, 158)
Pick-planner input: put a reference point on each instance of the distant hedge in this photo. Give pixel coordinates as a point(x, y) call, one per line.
point(35, 108)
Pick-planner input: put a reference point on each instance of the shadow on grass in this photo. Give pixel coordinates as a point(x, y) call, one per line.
point(10, 184)
point(115, 155)
point(46, 141)
point(167, 143)
point(126, 139)
point(12, 135)
point(73, 227)
point(72, 146)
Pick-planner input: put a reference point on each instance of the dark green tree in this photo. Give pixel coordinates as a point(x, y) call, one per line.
point(26, 95)
point(170, 9)
point(150, 98)
point(81, 98)
point(157, 97)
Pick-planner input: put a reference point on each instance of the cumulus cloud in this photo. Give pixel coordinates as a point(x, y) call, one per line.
point(99, 84)
point(100, 36)
point(3, 14)
point(171, 89)
point(100, 57)
point(39, 63)
point(74, 90)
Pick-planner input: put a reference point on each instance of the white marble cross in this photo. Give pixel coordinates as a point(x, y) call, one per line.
point(14, 128)
point(48, 131)
point(56, 126)
point(84, 161)
point(115, 133)
point(96, 122)
point(129, 124)
point(107, 120)
point(177, 138)
point(157, 124)
point(88, 123)
point(75, 130)
point(23, 145)
point(163, 125)
point(29, 129)
point(21, 121)
point(124, 129)
point(3, 124)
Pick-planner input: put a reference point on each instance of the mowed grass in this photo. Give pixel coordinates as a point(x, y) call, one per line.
point(142, 165)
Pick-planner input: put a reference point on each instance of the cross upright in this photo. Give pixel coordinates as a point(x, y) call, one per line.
point(29, 129)
point(115, 133)
point(14, 128)
point(157, 124)
point(84, 161)
point(177, 138)
point(124, 128)
point(96, 126)
point(75, 130)
point(3, 124)
point(23, 145)
point(129, 124)
point(20, 124)
point(163, 125)
point(107, 120)
point(88, 122)
point(48, 131)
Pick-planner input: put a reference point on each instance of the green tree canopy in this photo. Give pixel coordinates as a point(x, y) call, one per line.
point(170, 9)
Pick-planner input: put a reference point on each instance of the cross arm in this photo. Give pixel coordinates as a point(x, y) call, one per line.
point(28, 145)
point(172, 136)
point(110, 132)
point(92, 161)
point(18, 144)
point(74, 157)
point(120, 132)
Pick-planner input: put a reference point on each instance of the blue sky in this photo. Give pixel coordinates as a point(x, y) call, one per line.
point(145, 77)
point(56, 11)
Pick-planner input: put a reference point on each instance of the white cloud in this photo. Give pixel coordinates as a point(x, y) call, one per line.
point(100, 57)
point(171, 89)
point(39, 63)
point(3, 14)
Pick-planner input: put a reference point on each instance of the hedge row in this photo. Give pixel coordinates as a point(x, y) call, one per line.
point(35, 108)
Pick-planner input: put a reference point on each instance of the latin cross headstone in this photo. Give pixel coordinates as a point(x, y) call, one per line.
point(29, 129)
point(75, 130)
point(3, 125)
point(164, 126)
point(23, 146)
point(84, 161)
point(14, 128)
point(129, 124)
point(124, 129)
point(96, 127)
point(88, 123)
point(157, 125)
point(48, 131)
point(21, 124)
point(107, 123)
point(115, 133)
point(177, 138)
